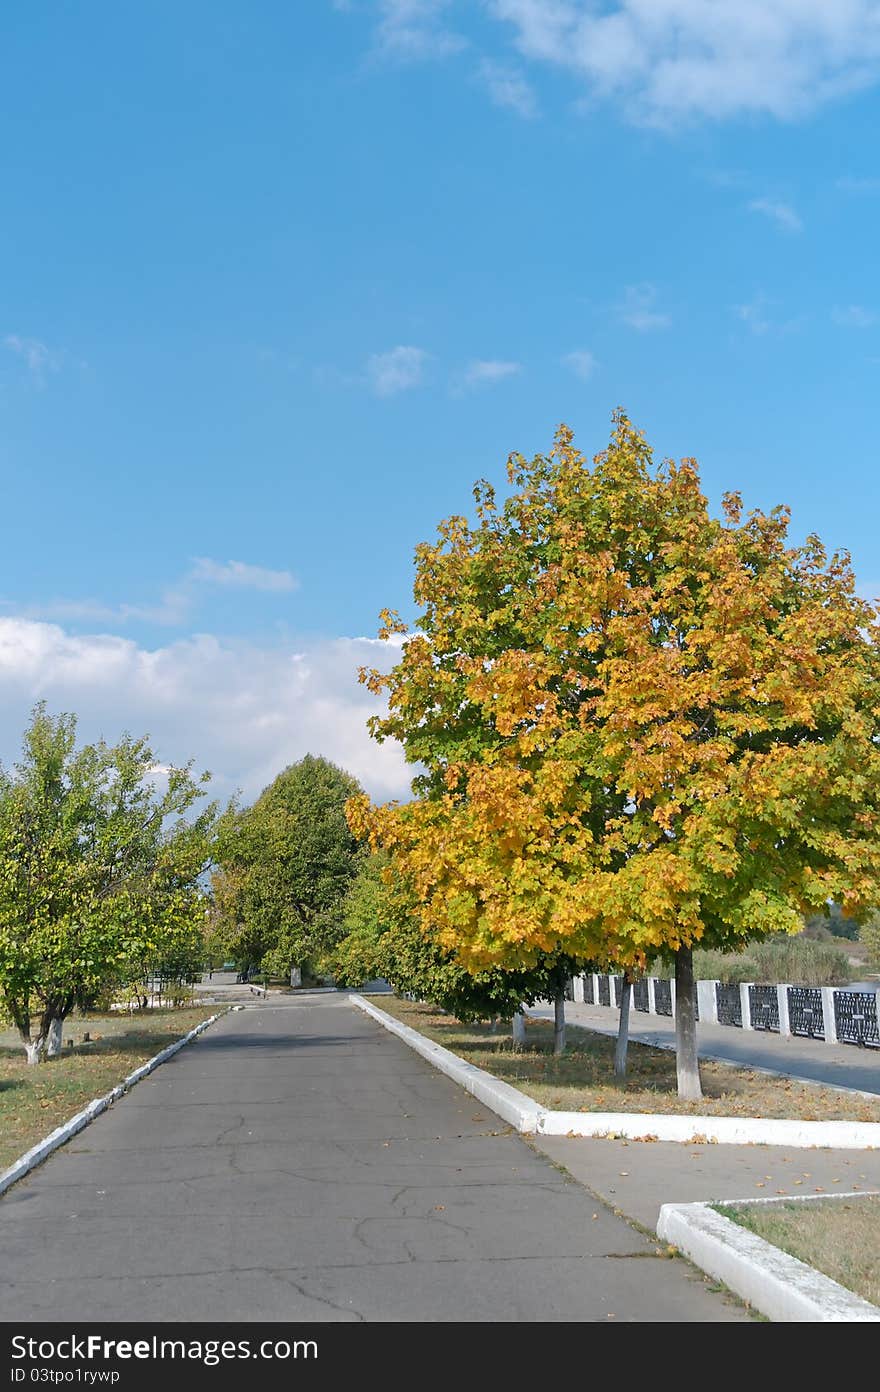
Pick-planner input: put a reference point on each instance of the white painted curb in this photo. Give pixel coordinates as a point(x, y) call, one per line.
point(43, 1149)
point(657, 1126)
point(510, 1104)
point(529, 1117)
point(778, 1285)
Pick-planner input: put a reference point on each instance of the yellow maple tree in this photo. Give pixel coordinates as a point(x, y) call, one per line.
point(641, 727)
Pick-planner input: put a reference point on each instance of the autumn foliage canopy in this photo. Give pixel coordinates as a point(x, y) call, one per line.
point(641, 727)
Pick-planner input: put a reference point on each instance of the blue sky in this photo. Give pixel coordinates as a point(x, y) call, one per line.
point(282, 280)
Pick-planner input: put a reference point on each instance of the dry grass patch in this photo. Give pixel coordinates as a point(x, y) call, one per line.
point(840, 1237)
point(583, 1079)
point(33, 1101)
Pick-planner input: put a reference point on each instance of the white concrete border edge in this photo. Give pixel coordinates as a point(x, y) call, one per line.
point(658, 1126)
point(43, 1149)
point(529, 1117)
point(511, 1105)
point(778, 1285)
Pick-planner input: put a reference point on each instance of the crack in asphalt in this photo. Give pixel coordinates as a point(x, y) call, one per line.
point(581, 1259)
point(288, 1280)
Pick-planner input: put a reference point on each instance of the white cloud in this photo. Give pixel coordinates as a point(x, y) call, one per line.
point(37, 356)
point(581, 363)
point(508, 88)
point(756, 316)
point(172, 610)
point(413, 30)
point(240, 575)
point(242, 711)
point(637, 309)
point(177, 602)
point(783, 214)
point(398, 370)
point(487, 371)
point(668, 60)
point(854, 316)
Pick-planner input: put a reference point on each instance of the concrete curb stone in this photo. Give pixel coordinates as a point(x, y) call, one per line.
point(530, 1118)
point(43, 1149)
point(510, 1104)
point(776, 1284)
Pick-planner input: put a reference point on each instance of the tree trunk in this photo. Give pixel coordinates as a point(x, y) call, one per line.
point(623, 1028)
point(686, 1060)
point(519, 1030)
point(35, 1049)
point(559, 1022)
point(53, 1037)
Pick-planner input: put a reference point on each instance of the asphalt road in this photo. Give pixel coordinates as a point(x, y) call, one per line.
point(299, 1163)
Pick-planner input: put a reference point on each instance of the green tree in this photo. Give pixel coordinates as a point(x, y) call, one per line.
point(384, 937)
point(285, 866)
point(642, 728)
point(100, 873)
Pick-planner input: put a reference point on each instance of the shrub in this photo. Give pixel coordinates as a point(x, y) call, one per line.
point(798, 961)
point(870, 938)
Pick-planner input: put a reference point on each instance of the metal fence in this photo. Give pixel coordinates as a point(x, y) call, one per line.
point(663, 996)
point(855, 1017)
point(834, 1015)
point(764, 1008)
point(805, 1011)
point(729, 1004)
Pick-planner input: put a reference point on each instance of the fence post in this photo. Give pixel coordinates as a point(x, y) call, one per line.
point(782, 999)
point(595, 976)
point(708, 1002)
point(672, 994)
point(745, 1004)
point(652, 999)
point(828, 1017)
point(578, 990)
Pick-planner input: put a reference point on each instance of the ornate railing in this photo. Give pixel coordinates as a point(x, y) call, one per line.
point(855, 1016)
point(663, 996)
point(729, 1004)
point(764, 1007)
point(805, 1011)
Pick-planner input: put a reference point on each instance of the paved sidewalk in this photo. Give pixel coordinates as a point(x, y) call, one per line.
point(298, 1162)
point(841, 1065)
point(636, 1177)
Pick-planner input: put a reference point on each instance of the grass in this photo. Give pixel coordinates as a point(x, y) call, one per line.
point(33, 1101)
point(840, 1237)
point(582, 1080)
